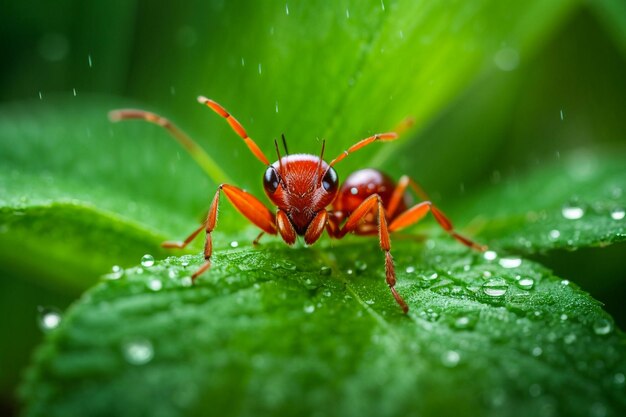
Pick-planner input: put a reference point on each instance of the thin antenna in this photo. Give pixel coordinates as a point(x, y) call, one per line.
point(319, 165)
point(285, 144)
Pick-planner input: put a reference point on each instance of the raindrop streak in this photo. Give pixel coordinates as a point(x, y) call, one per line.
point(286, 9)
point(138, 351)
point(526, 283)
point(277, 107)
point(347, 14)
point(40, 96)
point(602, 327)
point(510, 262)
point(382, 5)
point(618, 214)
point(74, 91)
point(147, 261)
point(495, 288)
point(243, 62)
point(450, 358)
point(49, 318)
point(260, 68)
point(561, 114)
point(490, 255)
point(89, 61)
point(572, 212)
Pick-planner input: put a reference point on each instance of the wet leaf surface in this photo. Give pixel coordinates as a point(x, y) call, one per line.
point(278, 331)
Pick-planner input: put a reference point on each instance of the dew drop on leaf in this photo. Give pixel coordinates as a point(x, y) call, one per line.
point(450, 358)
point(490, 255)
point(536, 351)
point(526, 283)
point(618, 213)
point(495, 288)
point(510, 262)
point(554, 234)
point(116, 272)
point(325, 270)
point(147, 261)
point(234, 244)
point(155, 285)
point(602, 327)
point(138, 351)
point(410, 269)
point(49, 318)
point(572, 212)
point(309, 308)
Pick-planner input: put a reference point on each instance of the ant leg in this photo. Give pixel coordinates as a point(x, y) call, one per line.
point(404, 182)
point(246, 204)
point(181, 245)
point(360, 144)
point(255, 242)
point(285, 228)
point(201, 157)
point(418, 211)
point(236, 126)
point(370, 203)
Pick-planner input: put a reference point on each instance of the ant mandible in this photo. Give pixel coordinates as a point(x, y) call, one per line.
point(302, 186)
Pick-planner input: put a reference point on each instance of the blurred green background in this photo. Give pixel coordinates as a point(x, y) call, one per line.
point(496, 90)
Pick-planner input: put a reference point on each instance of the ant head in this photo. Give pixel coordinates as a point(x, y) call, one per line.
point(301, 185)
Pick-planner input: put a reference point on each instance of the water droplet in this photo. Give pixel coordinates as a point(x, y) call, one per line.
point(490, 255)
point(349, 271)
point(464, 322)
point(565, 282)
point(147, 261)
point(186, 282)
point(450, 358)
point(495, 288)
point(619, 378)
point(309, 308)
point(138, 351)
point(172, 273)
point(572, 212)
point(234, 244)
point(184, 262)
point(369, 302)
point(116, 272)
point(510, 262)
point(602, 326)
point(526, 283)
point(563, 317)
point(410, 269)
point(284, 264)
point(49, 318)
point(554, 234)
point(506, 59)
point(537, 351)
point(325, 270)
point(354, 191)
point(155, 285)
point(618, 213)
point(569, 338)
point(360, 266)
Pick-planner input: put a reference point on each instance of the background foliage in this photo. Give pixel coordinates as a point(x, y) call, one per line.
point(519, 111)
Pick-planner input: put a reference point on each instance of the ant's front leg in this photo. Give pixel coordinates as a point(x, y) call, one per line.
point(374, 202)
point(246, 204)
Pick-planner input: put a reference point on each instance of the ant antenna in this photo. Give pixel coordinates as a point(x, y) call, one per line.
point(319, 165)
point(374, 138)
point(285, 144)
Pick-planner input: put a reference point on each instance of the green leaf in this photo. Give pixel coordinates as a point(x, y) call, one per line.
point(576, 203)
point(308, 331)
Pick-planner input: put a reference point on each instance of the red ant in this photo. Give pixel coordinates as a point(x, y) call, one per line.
point(302, 186)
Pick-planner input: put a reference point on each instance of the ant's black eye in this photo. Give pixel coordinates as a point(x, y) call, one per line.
point(330, 180)
point(270, 180)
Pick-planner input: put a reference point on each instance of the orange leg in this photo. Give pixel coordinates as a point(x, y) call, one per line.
point(181, 245)
point(236, 126)
point(285, 228)
point(398, 193)
point(370, 203)
point(418, 211)
point(364, 142)
point(246, 204)
point(316, 227)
